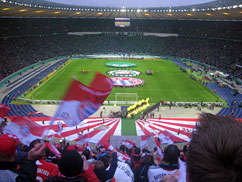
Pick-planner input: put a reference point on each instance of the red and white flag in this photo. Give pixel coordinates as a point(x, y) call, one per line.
point(121, 157)
point(159, 150)
point(3, 111)
point(81, 101)
point(60, 128)
point(25, 129)
point(53, 149)
point(127, 143)
point(144, 140)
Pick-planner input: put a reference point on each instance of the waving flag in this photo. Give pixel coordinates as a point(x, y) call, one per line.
point(127, 143)
point(60, 128)
point(122, 157)
point(144, 140)
point(81, 101)
point(3, 111)
point(25, 129)
point(53, 149)
point(159, 150)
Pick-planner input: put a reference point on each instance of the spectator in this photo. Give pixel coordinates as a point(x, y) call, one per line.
point(28, 168)
point(101, 166)
point(44, 169)
point(71, 168)
point(140, 172)
point(122, 173)
point(135, 157)
point(169, 164)
point(154, 155)
point(215, 151)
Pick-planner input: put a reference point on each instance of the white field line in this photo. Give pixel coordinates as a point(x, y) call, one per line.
point(51, 80)
point(177, 94)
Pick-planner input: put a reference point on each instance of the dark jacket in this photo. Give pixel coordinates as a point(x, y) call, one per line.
point(26, 173)
point(140, 173)
point(108, 174)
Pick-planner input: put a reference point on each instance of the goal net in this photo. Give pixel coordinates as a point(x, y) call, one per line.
point(126, 97)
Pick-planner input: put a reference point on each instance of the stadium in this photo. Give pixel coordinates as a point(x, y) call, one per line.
point(162, 63)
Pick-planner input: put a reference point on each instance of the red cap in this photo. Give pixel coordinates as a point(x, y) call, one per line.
point(71, 147)
point(8, 144)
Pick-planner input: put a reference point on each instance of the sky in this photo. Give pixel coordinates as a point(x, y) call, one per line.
point(132, 3)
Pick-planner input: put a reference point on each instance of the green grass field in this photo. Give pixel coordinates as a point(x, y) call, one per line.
point(168, 82)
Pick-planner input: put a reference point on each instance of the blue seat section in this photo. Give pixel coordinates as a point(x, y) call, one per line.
point(180, 64)
point(33, 71)
point(232, 101)
point(30, 75)
point(24, 109)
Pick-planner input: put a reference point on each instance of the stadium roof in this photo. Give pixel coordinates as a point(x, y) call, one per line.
point(154, 9)
point(131, 3)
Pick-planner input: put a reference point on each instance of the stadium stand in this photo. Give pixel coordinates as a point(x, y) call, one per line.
point(23, 86)
point(27, 41)
point(218, 53)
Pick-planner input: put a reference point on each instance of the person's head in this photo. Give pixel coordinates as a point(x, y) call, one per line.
point(122, 148)
point(215, 150)
point(8, 147)
point(147, 159)
point(71, 163)
point(171, 154)
point(99, 166)
point(106, 160)
point(34, 142)
point(87, 153)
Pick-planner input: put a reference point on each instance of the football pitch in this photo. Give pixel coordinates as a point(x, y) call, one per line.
point(168, 82)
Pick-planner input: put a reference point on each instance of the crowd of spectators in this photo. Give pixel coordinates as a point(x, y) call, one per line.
point(20, 52)
point(213, 154)
point(24, 42)
point(29, 26)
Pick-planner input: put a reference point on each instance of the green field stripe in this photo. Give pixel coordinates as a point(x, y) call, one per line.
point(46, 84)
point(168, 82)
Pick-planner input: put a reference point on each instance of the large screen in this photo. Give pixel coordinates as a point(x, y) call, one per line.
point(122, 22)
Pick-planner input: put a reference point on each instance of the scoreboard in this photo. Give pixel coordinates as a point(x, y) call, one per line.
point(122, 22)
